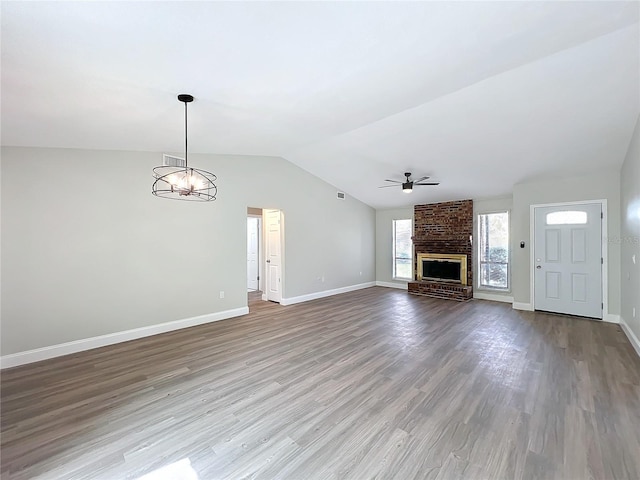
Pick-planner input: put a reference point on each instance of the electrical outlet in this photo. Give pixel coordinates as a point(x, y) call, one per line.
point(322, 279)
point(221, 293)
point(634, 312)
point(360, 273)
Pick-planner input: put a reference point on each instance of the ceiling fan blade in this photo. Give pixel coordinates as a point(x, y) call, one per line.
point(421, 179)
point(387, 186)
point(430, 183)
point(394, 181)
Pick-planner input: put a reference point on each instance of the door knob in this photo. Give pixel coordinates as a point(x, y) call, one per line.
point(538, 267)
point(268, 261)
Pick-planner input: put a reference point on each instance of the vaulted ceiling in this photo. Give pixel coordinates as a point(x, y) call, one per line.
point(478, 95)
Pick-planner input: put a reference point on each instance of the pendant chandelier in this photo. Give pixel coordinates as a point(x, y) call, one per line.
point(184, 183)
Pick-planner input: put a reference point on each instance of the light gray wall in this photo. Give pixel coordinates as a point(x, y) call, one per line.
point(384, 242)
point(595, 186)
point(630, 238)
point(87, 250)
point(490, 205)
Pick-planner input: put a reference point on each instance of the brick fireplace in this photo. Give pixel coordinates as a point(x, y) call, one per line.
point(443, 250)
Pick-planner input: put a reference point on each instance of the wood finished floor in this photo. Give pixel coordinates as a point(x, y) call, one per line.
point(370, 384)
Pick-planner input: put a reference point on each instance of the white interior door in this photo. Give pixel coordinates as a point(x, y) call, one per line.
point(252, 253)
point(273, 252)
point(568, 259)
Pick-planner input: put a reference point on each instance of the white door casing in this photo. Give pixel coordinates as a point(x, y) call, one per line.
point(568, 259)
point(273, 254)
point(252, 253)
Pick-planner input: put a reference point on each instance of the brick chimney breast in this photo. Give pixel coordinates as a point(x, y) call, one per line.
point(443, 228)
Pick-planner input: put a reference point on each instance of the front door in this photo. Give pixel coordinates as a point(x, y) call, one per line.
point(273, 253)
point(568, 259)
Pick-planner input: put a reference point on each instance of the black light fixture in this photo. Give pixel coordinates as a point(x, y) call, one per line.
point(184, 183)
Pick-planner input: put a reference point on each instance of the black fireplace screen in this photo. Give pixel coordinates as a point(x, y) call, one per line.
point(441, 270)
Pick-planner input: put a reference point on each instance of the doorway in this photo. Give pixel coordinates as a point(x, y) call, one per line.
point(265, 255)
point(568, 259)
point(253, 253)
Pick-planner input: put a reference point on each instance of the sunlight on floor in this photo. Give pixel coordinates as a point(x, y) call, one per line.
point(180, 470)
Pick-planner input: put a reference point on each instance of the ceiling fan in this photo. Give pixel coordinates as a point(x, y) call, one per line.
point(407, 184)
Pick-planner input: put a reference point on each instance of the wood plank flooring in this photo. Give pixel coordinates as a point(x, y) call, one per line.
point(369, 384)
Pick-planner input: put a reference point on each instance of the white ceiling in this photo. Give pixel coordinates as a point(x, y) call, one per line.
point(478, 95)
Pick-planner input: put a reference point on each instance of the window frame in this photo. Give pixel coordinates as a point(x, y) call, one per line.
point(479, 262)
point(393, 251)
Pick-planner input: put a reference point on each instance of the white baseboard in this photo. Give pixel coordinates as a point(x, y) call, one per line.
point(45, 353)
point(611, 318)
point(630, 335)
point(493, 297)
point(326, 293)
point(401, 286)
point(523, 306)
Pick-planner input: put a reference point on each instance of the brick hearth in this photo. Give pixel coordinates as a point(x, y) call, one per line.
point(450, 291)
point(446, 228)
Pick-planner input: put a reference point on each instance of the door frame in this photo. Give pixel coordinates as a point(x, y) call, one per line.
point(605, 250)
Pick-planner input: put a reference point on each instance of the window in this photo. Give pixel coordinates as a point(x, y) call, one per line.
point(402, 258)
point(566, 217)
point(493, 245)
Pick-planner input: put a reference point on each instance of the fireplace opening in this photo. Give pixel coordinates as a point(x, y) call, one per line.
point(442, 267)
point(441, 270)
